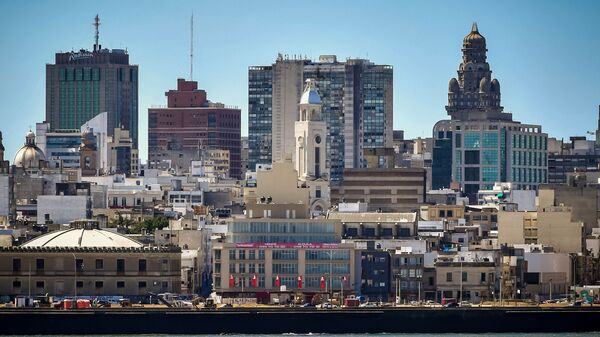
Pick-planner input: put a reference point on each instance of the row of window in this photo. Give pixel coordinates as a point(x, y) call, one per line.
point(40, 264)
point(97, 284)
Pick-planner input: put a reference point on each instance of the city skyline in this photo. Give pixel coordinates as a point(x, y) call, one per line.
point(552, 42)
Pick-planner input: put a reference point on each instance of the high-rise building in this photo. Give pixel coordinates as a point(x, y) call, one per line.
point(191, 124)
point(481, 144)
point(357, 105)
point(82, 84)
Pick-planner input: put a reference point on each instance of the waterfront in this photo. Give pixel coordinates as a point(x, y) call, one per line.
point(362, 335)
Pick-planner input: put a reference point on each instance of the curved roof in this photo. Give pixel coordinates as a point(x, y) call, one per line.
point(83, 238)
point(310, 95)
point(474, 38)
point(29, 155)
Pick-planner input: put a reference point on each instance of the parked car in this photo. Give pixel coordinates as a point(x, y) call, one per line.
point(465, 304)
point(451, 305)
point(328, 305)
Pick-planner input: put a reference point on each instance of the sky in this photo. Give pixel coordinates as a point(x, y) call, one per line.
point(546, 54)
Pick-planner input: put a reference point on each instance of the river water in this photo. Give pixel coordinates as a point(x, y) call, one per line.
point(587, 334)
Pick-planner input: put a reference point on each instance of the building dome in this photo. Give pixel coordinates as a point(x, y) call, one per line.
point(310, 95)
point(82, 238)
point(29, 155)
point(453, 85)
point(495, 87)
point(484, 85)
point(474, 39)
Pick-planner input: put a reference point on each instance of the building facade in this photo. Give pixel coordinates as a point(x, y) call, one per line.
point(357, 107)
point(389, 190)
point(190, 124)
point(83, 84)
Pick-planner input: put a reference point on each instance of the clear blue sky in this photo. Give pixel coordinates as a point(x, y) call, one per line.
point(546, 54)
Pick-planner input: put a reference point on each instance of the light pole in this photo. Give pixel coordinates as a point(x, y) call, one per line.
point(501, 290)
point(461, 279)
point(75, 282)
point(550, 289)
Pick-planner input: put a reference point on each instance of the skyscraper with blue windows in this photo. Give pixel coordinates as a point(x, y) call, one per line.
point(357, 104)
point(481, 144)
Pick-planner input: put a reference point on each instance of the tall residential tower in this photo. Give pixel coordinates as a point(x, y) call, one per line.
point(357, 106)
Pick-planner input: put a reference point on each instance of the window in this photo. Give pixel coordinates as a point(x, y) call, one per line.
point(471, 157)
point(120, 265)
point(251, 255)
point(142, 265)
point(471, 140)
point(464, 276)
point(120, 284)
point(79, 264)
point(39, 264)
point(430, 281)
point(242, 254)
point(142, 284)
point(232, 268)
point(79, 284)
point(217, 254)
point(39, 284)
point(471, 174)
point(99, 264)
point(482, 277)
point(232, 254)
point(448, 277)
point(99, 284)
point(16, 264)
point(16, 284)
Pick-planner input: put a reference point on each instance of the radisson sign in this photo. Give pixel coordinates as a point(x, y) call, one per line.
point(80, 56)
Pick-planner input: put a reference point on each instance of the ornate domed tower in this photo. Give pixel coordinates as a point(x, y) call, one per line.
point(1, 149)
point(30, 156)
point(311, 160)
point(473, 94)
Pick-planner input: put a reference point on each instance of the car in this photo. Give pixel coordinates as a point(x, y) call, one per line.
point(576, 303)
point(369, 305)
point(307, 305)
point(465, 304)
point(328, 305)
point(451, 305)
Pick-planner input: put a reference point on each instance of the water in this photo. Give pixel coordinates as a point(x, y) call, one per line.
point(583, 334)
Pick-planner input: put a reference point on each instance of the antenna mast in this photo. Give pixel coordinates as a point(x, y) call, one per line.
point(97, 35)
point(192, 48)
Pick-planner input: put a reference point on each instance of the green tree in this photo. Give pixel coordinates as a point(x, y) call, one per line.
point(150, 225)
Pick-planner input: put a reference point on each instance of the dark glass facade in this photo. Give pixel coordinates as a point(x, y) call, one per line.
point(80, 85)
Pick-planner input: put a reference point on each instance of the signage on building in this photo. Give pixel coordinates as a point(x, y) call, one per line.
point(80, 56)
point(288, 245)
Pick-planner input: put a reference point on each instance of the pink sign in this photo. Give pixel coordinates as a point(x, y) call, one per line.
point(289, 245)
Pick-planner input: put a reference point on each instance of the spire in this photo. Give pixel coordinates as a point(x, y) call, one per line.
point(97, 34)
point(474, 28)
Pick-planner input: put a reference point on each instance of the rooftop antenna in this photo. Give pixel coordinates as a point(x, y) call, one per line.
point(97, 35)
point(192, 48)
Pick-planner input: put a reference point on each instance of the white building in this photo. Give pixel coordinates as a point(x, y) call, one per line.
point(62, 209)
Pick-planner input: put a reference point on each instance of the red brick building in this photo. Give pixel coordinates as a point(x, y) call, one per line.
point(190, 123)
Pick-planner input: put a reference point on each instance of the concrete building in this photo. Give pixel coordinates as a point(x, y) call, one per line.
point(123, 156)
point(299, 255)
point(82, 84)
point(88, 262)
point(388, 190)
point(61, 147)
point(578, 155)
point(376, 225)
point(472, 280)
point(481, 144)
point(582, 198)
point(357, 106)
point(98, 127)
point(190, 124)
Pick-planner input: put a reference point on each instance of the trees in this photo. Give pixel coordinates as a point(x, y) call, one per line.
point(149, 225)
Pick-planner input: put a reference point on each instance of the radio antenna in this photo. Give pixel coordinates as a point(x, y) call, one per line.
point(192, 48)
point(97, 35)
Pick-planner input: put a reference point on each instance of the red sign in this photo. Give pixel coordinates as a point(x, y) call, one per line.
point(277, 281)
point(231, 281)
point(254, 281)
point(322, 282)
point(288, 245)
point(299, 282)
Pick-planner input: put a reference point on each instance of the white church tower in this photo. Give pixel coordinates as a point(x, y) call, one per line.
point(311, 149)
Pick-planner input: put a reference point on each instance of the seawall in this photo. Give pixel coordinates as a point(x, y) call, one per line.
point(277, 321)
